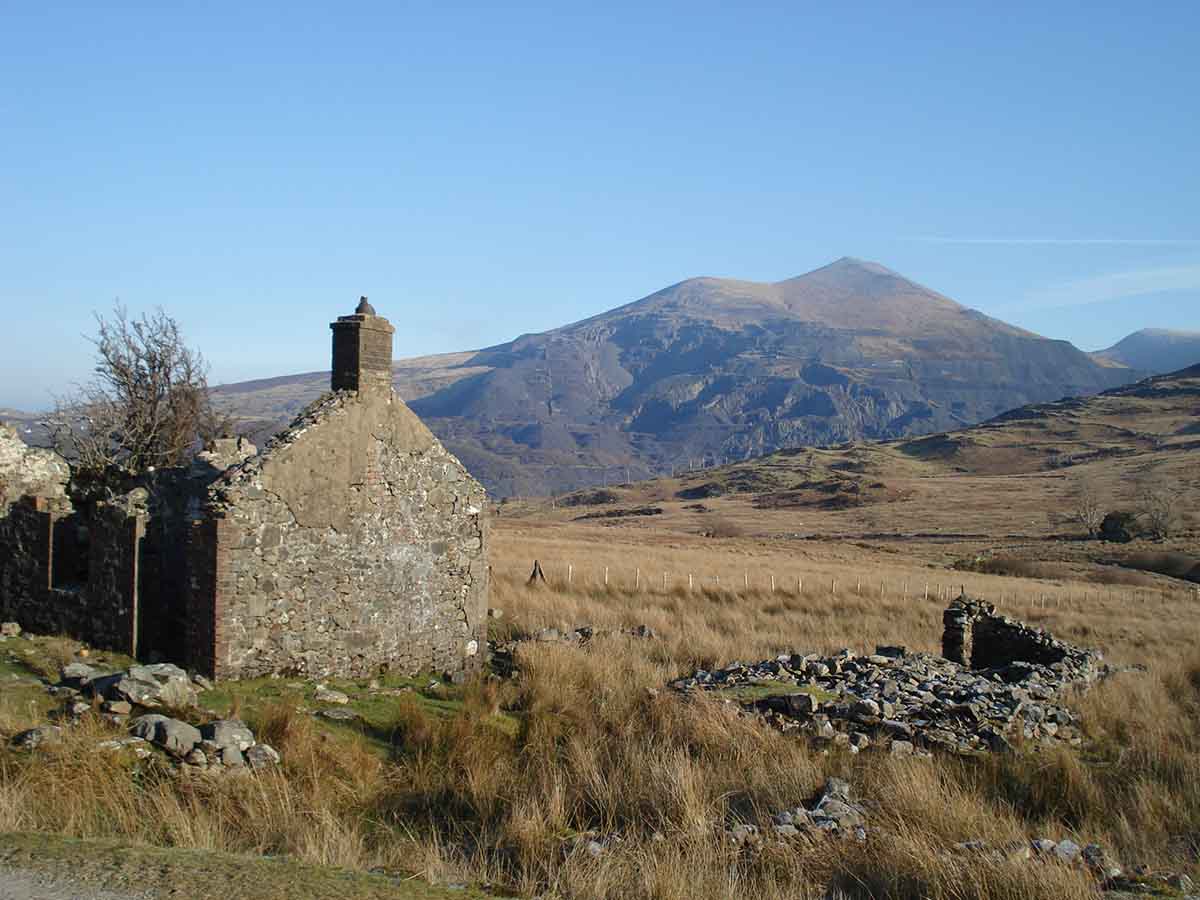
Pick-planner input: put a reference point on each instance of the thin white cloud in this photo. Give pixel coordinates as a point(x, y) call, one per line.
point(932, 239)
point(1115, 286)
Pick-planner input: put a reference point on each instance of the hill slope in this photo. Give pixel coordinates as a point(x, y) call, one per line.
point(715, 369)
point(1014, 475)
point(1156, 350)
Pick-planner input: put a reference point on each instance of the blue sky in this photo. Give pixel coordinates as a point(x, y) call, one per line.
point(483, 171)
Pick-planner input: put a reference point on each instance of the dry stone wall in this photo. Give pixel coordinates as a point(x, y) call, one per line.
point(353, 543)
point(977, 637)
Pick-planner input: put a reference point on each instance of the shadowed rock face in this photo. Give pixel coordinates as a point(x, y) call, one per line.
point(713, 369)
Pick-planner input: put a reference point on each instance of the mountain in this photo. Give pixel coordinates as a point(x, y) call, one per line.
point(1156, 350)
point(713, 369)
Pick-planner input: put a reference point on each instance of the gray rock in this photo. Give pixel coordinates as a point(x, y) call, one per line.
point(338, 714)
point(32, 738)
point(261, 756)
point(231, 757)
point(77, 674)
point(176, 737)
point(901, 748)
point(1067, 851)
point(1100, 863)
point(836, 787)
point(196, 757)
point(840, 811)
point(329, 695)
point(228, 733)
point(865, 708)
point(801, 704)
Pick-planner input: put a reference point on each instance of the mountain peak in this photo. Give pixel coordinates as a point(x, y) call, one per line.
point(850, 272)
point(865, 265)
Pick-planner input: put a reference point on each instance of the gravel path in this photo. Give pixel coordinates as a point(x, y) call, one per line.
point(24, 884)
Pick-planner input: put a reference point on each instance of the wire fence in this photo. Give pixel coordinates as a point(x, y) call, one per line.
point(1035, 595)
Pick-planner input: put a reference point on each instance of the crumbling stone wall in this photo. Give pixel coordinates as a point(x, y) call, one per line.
point(102, 610)
point(28, 471)
point(976, 637)
point(25, 555)
point(354, 543)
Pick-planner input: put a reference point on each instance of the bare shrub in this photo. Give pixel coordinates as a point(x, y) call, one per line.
point(147, 404)
point(1086, 507)
point(1158, 506)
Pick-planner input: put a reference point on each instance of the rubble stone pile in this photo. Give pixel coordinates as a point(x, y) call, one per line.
point(130, 698)
point(917, 702)
point(975, 636)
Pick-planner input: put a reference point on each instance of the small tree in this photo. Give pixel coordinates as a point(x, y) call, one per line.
point(1158, 506)
point(1086, 509)
point(147, 404)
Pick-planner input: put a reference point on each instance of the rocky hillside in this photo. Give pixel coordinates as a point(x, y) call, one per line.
point(711, 370)
point(1157, 350)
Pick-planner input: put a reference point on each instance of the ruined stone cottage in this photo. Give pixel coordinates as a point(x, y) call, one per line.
point(353, 543)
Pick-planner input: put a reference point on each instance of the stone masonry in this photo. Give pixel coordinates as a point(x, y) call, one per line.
point(975, 636)
point(353, 543)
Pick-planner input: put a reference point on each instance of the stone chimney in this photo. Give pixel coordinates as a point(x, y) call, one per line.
point(362, 351)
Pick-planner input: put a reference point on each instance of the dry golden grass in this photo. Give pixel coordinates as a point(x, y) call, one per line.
point(603, 751)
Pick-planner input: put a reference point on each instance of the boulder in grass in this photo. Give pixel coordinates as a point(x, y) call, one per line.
point(176, 737)
point(150, 687)
point(32, 738)
point(77, 675)
point(228, 733)
point(329, 695)
point(261, 756)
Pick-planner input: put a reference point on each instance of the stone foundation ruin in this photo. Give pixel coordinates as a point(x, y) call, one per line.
point(976, 637)
point(353, 543)
point(999, 683)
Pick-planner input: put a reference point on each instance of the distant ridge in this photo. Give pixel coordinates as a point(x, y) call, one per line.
point(1157, 350)
point(715, 369)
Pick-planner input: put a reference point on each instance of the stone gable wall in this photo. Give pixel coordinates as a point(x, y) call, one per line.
point(354, 543)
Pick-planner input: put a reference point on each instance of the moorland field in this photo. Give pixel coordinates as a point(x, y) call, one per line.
point(501, 784)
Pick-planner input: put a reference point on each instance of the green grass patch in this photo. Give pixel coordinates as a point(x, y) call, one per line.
point(761, 689)
point(43, 656)
point(380, 708)
point(206, 874)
